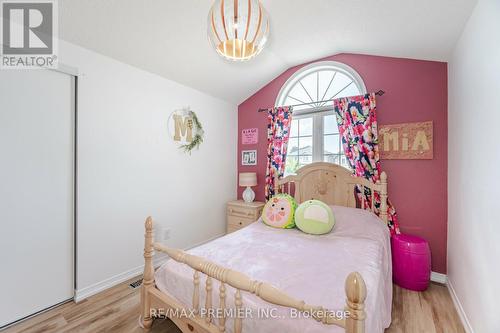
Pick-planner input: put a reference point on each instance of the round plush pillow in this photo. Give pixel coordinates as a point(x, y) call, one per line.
point(279, 211)
point(314, 217)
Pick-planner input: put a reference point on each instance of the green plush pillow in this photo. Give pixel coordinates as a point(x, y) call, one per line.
point(279, 211)
point(314, 217)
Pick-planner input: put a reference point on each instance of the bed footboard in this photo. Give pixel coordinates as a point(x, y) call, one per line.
point(148, 276)
point(352, 319)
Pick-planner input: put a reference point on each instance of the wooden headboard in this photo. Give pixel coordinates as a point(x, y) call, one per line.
point(332, 184)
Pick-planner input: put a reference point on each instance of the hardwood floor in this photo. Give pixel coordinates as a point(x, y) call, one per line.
point(431, 311)
point(117, 310)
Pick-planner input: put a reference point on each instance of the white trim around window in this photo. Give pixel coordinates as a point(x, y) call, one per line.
point(312, 85)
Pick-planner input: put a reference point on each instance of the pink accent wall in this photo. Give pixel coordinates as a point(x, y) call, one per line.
point(415, 91)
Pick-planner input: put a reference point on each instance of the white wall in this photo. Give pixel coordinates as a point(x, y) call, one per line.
point(129, 168)
point(474, 163)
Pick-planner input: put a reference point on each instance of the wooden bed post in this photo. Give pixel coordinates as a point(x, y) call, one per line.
point(355, 289)
point(148, 278)
point(383, 198)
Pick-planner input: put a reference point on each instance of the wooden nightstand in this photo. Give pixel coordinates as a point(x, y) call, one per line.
point(240, 214)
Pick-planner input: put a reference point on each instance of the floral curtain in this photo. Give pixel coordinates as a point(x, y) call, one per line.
point(357, 121)
point(278, 132)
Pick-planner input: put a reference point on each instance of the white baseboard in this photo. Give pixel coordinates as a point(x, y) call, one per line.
point(98, 287)
point(460, 309)
point(439, 277)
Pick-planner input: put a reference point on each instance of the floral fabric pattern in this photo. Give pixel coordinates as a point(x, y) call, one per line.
point(357, 122)
point(278, 132)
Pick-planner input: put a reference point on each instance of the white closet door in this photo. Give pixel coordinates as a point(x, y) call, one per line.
point(36, 191)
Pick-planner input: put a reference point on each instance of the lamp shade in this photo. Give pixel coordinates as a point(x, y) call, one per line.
point(248, 179)
point(238, 29)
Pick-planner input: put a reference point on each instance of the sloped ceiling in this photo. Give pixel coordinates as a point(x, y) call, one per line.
point(169, 37)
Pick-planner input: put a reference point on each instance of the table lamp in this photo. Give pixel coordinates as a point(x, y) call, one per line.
point(248, 179)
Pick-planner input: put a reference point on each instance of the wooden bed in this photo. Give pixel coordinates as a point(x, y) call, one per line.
point(327, 182)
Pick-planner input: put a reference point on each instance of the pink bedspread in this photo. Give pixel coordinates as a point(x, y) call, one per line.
point(307, 267)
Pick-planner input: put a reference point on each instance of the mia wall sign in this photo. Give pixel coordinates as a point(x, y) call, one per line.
point(408, 141)
point(185, 129)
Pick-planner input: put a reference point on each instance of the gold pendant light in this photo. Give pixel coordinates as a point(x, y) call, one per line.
point(238, 29)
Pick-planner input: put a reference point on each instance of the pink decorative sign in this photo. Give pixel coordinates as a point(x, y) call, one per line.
point(250, 136)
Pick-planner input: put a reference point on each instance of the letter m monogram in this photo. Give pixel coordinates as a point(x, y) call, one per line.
point(183, 128)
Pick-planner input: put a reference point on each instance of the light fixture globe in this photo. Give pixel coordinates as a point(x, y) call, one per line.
point(238, 29)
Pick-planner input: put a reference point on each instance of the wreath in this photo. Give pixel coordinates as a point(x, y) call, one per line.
point(195, 125)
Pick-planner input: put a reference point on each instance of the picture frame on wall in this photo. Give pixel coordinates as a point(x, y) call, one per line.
point(249, 157)
point(250, 136)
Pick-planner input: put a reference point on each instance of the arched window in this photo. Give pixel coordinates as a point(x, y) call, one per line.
point(314, 133)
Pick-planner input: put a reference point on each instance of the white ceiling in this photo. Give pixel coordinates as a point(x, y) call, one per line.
point(169, 37)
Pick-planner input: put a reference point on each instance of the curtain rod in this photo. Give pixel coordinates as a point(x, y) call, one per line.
point(378, 93)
